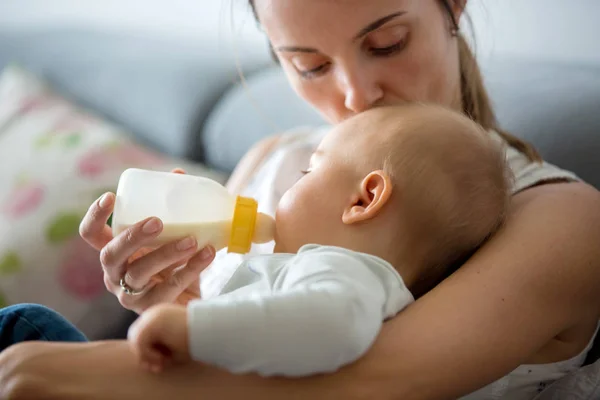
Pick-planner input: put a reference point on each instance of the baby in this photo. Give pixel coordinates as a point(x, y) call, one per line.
point(394, 200)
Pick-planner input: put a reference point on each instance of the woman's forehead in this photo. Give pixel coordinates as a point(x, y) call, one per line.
point(301, 20)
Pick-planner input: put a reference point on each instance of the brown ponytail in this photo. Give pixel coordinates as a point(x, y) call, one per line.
point(476, 102)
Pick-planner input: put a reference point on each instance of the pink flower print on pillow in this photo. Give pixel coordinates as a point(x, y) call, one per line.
point(25, 198)
point(133, 155)
point(41, 102)
point(80, 273)
point(123, 155)
point(68, 131)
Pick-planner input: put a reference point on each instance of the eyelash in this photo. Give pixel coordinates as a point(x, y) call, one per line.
point(388, 51)
point(377, 52)
point(304, 172)
point(313, 72)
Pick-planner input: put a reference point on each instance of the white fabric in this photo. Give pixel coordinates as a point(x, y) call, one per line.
point(528, 381)
point(297, 314)
point(527, 173)
point(581, 385)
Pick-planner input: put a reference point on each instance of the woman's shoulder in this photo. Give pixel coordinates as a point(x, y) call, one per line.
point(528, 173)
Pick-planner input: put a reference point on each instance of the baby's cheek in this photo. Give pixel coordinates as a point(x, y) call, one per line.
point(281, 224)
point(286, 202)
point(288, 224)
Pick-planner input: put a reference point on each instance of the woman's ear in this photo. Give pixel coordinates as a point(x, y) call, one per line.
point(455, 9)
point(374, 192)
point(458, 8)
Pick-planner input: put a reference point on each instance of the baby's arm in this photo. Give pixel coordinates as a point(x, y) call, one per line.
point(324, 312)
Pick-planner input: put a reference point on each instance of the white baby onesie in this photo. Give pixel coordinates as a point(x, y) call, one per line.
point(297, 314)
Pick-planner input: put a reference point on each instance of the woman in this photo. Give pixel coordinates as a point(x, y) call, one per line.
point(532, 290)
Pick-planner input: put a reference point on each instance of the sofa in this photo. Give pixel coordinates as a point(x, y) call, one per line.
point(181, 100)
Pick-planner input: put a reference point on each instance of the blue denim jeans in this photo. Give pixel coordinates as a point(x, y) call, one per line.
point(23, 322)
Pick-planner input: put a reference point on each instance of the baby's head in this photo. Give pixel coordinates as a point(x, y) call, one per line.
point(418, 185)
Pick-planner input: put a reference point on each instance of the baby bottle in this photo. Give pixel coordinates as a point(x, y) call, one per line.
point(190, 206)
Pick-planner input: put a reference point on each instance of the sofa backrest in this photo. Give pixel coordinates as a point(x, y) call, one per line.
point(554, 106)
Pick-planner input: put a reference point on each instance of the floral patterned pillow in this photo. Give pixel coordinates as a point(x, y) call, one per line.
point(56, 160)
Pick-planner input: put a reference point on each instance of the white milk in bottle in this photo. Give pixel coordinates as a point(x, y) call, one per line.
point(190, 206)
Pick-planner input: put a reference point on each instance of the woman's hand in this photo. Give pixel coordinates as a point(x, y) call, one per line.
point(169, 274)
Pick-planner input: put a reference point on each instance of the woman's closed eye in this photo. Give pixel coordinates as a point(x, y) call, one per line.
point(313, 72)
point(386, 51)
point(387, 41)
point(310, 65)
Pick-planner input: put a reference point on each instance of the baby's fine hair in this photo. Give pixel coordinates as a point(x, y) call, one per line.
point(453, 177)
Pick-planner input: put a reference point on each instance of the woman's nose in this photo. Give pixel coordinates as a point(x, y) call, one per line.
point(361, 91)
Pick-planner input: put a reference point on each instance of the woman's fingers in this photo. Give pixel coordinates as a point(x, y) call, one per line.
point(115, 255)
point(175, 286)
point(143, 269)
point(168, 286)
point(93, 228)
point(125, 256)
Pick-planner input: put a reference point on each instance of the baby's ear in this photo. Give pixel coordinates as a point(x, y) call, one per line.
point(373, 193)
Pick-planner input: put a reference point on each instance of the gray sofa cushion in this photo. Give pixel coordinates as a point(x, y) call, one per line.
point(246, 115)
point(554, 106)
point(159, 89)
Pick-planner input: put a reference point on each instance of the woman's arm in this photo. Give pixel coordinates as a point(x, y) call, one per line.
point(536, 278)
point(110, 370)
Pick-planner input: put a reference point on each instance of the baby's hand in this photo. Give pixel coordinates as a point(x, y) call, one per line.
point(160, 336)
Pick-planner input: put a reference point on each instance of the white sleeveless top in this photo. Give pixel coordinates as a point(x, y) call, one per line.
point(282, 168)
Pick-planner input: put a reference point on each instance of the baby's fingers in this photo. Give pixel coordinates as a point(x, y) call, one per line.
point(152, 360)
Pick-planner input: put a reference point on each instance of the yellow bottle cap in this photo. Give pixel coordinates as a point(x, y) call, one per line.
point(242, 225)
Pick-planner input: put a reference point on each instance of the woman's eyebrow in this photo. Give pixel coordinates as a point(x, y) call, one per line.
point(376, 24)
point(296, 49)
point(369, 28)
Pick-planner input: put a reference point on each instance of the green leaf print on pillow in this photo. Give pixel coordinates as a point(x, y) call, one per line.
point(10, 263)
point(66, 139)
point(72, 140)
point(63, 227)
point(3, 301)
point(43, 141)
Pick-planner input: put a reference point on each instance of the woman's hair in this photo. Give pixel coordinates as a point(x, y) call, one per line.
point(475, 99)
